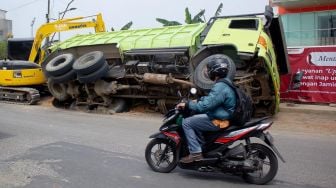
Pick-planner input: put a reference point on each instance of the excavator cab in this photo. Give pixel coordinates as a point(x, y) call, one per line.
point(19, 48)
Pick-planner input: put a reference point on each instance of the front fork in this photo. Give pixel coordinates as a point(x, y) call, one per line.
point(173, 137)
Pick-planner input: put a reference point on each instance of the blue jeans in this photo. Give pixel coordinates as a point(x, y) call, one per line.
point(193, 128)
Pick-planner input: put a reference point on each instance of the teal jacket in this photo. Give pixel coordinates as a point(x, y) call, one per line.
point(218, 104)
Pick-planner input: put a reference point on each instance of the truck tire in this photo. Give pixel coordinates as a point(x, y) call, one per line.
point(94, 76)
point(60, 65)
point(89, 62)
point(118, 105)
point(58, 90)
point(200, 76)
point(71, 75)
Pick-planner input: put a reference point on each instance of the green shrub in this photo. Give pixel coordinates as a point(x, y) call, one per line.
point(3, 49)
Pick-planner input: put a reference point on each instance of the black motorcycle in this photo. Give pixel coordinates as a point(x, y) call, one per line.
point(228, 151)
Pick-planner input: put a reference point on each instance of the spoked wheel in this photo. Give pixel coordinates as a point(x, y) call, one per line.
point(265, 163)
point(161, 155)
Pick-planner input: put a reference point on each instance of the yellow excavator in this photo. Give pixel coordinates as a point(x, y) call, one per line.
point(21, 77)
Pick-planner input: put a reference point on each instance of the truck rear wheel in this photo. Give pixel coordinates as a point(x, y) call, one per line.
point(60, 64)
point(200, 76)
point(89, 63)
point(94, 76)
point(71, 75)
point(118, 105)
point(58, 90)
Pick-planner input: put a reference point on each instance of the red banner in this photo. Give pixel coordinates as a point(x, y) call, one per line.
point(319, 80)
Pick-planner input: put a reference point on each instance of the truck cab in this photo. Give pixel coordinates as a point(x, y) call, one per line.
point(256, 45)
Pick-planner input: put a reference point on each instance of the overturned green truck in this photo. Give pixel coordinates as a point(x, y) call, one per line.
point(107, 70)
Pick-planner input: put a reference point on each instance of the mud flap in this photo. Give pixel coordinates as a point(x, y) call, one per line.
point(268, 139)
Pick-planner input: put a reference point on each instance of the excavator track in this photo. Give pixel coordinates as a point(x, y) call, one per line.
point(19, 95)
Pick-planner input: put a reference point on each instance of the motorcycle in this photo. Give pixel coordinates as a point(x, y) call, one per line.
point(229, 151)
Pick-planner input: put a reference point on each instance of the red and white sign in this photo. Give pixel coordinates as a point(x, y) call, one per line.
point(319, 80)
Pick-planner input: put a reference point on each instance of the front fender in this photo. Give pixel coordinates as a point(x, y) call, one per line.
point(173, 136)
point(158, 135)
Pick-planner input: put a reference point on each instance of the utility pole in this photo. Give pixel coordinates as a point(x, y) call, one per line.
point(48, 19)
point(32, 27)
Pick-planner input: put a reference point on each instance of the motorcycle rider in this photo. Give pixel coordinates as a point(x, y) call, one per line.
point(212, 111)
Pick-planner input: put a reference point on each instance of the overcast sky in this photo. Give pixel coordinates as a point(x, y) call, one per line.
point(116, 13)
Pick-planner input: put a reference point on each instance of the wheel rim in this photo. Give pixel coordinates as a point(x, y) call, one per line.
point(260, 162)
point(162, 156)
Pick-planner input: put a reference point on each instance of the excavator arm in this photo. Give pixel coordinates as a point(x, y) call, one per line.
point(62, 25)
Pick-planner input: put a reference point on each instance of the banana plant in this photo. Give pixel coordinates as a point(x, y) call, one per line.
point(125, 27)
point(198, 18)
point(188, 19)
point(165, 22)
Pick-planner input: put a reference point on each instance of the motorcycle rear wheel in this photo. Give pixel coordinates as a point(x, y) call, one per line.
point(262, 158)
point(161, 155)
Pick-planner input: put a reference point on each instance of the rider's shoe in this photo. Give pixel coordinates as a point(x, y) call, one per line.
point(192, 158)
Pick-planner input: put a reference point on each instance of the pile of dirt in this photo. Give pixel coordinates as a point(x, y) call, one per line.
point(46, 101)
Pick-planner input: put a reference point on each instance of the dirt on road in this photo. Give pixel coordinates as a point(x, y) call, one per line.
point(313, 122)
point(303, 122)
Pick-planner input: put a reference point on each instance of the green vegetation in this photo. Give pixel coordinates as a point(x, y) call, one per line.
point(127, 26)
point(3, 49)
point(198, 18)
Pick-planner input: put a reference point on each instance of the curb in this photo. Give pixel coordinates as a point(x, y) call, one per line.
point(308, 108)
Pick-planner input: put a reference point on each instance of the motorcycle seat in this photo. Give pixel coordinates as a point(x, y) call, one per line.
point(250, 123)
point(209, 136)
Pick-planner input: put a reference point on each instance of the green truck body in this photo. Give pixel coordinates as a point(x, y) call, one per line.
point(164, 37)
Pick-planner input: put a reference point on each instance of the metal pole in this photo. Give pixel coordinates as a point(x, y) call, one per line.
point(48, 19)
point(59, 16)
point(59, 33)
point(32, 27)
point(66, 9)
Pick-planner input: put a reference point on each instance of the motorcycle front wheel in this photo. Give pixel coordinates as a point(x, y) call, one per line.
point(264, 161)
point(161, 155)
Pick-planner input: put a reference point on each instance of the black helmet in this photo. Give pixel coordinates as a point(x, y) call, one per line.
point(217, 67)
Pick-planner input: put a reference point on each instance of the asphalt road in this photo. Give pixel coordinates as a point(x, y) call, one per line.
point(47, 147)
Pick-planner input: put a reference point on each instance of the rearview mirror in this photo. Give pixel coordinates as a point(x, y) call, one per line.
point(269, 14)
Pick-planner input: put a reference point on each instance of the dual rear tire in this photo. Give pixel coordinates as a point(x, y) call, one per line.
point(59, 69)
point(91, 67)
point(88, 68)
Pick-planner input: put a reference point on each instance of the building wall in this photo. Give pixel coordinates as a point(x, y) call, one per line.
point(5, 26)
point(2, 14)
point(316, 28)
